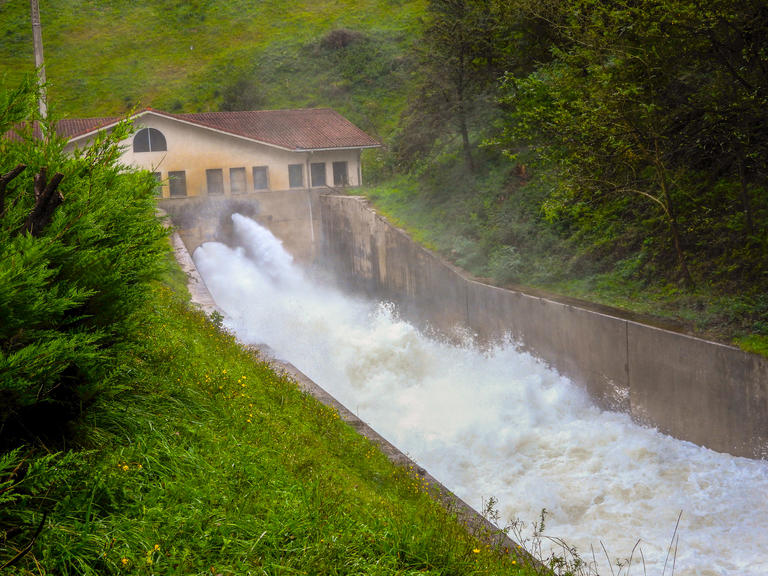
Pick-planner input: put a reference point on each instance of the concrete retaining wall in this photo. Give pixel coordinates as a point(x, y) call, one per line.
point(291, 215)
point(707, 393)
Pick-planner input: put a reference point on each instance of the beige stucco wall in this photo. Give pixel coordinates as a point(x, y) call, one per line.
point(194, 150)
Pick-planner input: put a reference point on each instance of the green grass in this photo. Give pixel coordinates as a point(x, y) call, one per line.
point(105, 58)
point(211, 463)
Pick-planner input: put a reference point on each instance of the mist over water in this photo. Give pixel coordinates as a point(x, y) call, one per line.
point(498, 423)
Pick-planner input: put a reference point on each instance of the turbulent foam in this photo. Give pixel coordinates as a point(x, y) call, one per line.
point(498, 423)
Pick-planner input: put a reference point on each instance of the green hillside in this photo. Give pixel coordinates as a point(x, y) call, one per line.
point(105, 58)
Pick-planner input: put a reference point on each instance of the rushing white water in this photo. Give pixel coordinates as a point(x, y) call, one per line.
point(498, 423)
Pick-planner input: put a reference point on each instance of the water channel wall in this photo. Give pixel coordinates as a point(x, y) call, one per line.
point(707, 393)
point(293, 216)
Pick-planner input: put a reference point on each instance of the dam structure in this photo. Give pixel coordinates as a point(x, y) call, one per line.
point(490, 420)
point(707, 393)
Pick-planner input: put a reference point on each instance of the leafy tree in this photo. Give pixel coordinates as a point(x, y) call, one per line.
point(722, 54)
point(462, 54)
point(76, 255)
point(631, 115)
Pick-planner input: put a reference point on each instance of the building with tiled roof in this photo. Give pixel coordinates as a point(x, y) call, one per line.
point(233, 153)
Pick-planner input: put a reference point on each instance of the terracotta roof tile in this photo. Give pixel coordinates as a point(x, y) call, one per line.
point(309, 129)
point(73, 127)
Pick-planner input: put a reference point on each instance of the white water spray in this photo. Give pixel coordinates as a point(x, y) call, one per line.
point(499, 423)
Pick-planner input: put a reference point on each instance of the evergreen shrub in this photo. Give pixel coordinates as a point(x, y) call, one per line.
point(68, 290)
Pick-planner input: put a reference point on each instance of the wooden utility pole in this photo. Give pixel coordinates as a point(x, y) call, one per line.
point(37, 34)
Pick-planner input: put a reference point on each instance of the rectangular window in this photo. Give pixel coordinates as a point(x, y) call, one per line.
point(340, 175)
point(177, 181)
point(295, 175)
point(260, 180)
point(318, 173)
point(159, 184)
point(237, 180)
point(214, 180)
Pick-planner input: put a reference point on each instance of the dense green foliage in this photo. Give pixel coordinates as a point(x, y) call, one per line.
point(652, 114)
point(68, 291)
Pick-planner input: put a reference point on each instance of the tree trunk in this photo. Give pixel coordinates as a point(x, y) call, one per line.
point(461, 111)
point(466, 146)
point(673, 224)
point(47, 199)
point(745, 203)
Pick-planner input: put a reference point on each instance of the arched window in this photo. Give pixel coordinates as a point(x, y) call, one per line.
point(149, 140)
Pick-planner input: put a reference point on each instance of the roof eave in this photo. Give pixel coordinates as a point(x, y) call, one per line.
point(337, 148)
point(87, 135)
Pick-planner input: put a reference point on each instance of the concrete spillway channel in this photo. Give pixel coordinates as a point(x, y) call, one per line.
point(533, 400)
point(475, 521)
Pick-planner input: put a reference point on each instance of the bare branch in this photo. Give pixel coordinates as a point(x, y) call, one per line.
point(47, 199)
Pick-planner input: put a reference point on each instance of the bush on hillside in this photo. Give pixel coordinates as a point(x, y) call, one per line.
point(68, 288)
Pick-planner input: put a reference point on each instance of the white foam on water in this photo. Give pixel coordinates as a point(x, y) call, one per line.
point(498, 423)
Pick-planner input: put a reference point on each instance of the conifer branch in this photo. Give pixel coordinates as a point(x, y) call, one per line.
point(5, 179)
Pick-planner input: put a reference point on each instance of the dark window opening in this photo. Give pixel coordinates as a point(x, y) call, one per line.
point(177, 181)
point(295, 175)
point(149, 140)
point(237, 180)
point(260, 180)
point(214, 181)
point(340, 175)
point(318, 173)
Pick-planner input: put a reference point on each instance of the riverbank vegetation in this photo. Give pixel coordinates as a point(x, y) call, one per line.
point(136, 437)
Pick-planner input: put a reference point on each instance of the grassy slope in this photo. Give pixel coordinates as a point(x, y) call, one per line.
point(213, 464)
point(106, 57)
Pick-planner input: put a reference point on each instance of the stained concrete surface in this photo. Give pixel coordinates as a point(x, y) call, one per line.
point(693, 389)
